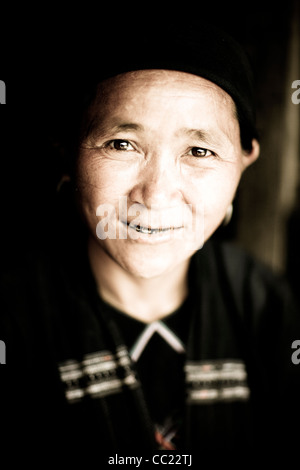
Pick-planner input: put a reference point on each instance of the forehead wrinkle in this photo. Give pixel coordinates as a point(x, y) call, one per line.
point(98, 125)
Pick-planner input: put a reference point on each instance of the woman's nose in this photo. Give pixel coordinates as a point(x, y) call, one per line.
point(158, 184)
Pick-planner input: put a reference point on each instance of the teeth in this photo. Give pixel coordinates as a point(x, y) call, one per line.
point(148, 230)
point(145, 230)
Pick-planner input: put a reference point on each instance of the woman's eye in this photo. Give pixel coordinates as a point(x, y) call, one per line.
point(120, 145)
point(200, 152)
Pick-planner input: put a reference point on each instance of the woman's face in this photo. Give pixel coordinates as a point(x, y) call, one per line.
point(159, 167)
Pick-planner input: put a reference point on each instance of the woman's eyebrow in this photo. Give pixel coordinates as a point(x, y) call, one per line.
point(99, 129)
point(127, 126)
point(211, 137)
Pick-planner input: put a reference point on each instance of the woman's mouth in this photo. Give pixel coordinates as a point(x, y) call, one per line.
point(149, 230)
point(148, 234)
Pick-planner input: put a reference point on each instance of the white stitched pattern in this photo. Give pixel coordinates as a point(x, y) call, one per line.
point(99, 374)
point(216, 381)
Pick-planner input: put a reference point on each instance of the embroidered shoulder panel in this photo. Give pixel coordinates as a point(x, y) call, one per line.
point(216, 381)
point(99, 374)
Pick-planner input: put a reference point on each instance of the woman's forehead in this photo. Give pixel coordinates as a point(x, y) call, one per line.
point(141, 96)
point(169, 82)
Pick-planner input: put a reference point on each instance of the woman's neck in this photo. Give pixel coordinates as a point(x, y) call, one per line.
point(147, 300)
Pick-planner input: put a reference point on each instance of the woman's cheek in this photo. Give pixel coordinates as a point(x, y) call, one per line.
point(211, 195)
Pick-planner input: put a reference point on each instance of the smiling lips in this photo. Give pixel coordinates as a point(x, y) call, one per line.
point(149, 230)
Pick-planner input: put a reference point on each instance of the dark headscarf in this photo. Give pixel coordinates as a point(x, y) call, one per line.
point(206, 51)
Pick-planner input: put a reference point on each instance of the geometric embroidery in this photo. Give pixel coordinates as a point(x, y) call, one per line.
point(99, 374)
point(216, 381)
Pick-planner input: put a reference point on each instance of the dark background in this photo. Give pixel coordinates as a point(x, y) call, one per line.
point(41, 53)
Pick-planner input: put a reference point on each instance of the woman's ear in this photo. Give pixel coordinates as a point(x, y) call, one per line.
point(251, 156)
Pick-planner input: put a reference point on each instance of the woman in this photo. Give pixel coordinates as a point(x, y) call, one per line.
point(136, 331)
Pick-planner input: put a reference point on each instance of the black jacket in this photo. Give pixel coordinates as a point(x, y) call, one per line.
point(242, 388)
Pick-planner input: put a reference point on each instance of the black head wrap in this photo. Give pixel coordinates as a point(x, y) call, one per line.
point(205, 51)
